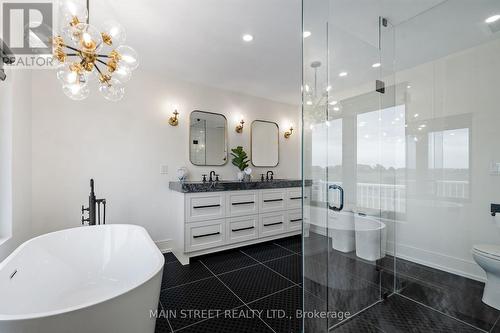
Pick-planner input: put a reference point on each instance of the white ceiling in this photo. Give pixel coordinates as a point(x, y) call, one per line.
point(418, 32)
point(200, 40)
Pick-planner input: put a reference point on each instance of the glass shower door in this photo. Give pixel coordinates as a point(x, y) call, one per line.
point(350, 119)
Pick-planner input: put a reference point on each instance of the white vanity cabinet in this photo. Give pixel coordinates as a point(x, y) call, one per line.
point(221, 220)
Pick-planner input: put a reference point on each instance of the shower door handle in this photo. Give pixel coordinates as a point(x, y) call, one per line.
point(341, 190)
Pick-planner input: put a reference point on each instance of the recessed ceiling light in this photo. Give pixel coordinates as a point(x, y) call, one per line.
point(306, 34)
point(408, 87)
point(376, 65)
point(342, 74)
point(336, 108)
point(309, 103)
point(333, 103)
point(247, 38)
point(492, 19)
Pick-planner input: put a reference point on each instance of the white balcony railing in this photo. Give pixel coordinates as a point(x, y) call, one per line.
point(390, 197)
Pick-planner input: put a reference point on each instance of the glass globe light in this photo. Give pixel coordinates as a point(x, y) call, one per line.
point(112, 91)
point(122, 74)
point(74, 33)
point(129, 57)
point(71, 9)
point(77, 91)
point(68, 76)
point(116, 31)
point(90, 38)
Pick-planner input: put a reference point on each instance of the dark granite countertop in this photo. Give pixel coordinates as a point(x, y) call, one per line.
point(194, 187)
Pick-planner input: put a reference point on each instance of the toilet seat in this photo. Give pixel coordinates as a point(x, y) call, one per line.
point(490, 251)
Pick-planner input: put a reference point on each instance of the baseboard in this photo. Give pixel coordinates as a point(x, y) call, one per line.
point(453, 265)
point(164, 245)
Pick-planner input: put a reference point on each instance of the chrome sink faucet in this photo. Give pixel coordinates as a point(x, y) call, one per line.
point(269, 175)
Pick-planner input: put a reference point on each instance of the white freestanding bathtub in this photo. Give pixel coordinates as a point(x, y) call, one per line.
point(90, 279)
point(371, 237)
point(341, 231)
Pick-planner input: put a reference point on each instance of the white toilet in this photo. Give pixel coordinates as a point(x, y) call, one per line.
point(488, 257)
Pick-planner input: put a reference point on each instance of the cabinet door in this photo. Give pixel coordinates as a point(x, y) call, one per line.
point(294, 198)
point(205, 206)
point(272, 200)
point(272, 224)
point(204, 235)
point(242, 228)
point(241, 203)
point(294, 219)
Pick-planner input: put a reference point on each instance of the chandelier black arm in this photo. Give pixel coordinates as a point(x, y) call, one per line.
point(103, 56)
point(97, 68)
point(71, 48)
point(102, 62)
point(73, 54)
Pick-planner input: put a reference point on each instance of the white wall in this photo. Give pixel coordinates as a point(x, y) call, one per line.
point(458, 91)
point(122, 145)
point(15, 161)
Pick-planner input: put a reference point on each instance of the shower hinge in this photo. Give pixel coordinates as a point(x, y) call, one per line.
point(380, 86)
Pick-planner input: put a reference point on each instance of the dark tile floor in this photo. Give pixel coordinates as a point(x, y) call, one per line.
point(252, 289)
point(242, 287)
point(398, 314)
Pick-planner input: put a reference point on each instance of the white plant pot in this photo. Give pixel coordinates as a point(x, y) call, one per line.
point(240, 175)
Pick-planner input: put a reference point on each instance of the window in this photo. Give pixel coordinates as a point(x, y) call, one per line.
point(381, 158)
point(448, 159)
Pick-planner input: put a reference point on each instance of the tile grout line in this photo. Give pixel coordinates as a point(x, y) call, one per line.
point(257, 262)
point(495, 324)
point(286, 248)
point(356, 315)
point(237, 269)
point(245, 304)
point(250, 256)
point(444, 314)
point(168, 321)
point(272, 294)
point(203, 320)
point(210, 277)
point(185, 284)
point(263, 264)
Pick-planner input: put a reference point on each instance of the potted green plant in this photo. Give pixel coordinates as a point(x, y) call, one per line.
point(240, 160)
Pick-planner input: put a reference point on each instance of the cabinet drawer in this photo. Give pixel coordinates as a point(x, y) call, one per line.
point(242, 203)
point(294, 219)
point(294, 198)
point(242, 228)
point(204, 235)
point(272, 200)
point(272, 224)
point(205, 206)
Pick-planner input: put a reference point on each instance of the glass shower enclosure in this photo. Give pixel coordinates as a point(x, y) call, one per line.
point(350, 161)
point(400, 164)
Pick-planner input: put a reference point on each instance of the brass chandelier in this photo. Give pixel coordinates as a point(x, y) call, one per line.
point(84, 53)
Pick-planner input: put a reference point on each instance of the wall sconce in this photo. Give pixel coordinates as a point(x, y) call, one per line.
point(288, 133)
point(174, 121)
point(239, 128)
